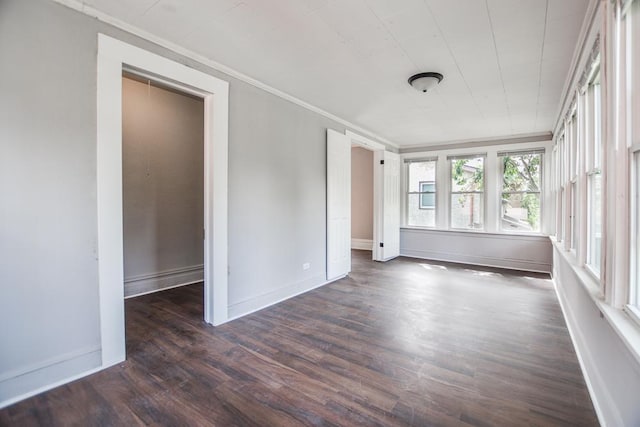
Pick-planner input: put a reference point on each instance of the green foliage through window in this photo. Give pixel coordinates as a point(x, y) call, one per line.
point(521, 190)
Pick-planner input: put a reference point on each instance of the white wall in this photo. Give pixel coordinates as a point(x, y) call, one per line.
point(361, 194)
point(611, 371)
point(163, 185)
point(49, 308)
point(520, 252)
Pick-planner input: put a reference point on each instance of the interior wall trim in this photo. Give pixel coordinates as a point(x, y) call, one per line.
point(362, 244)
point(19, 385)
point(257, 303)
point(477, 143)
point(147, 283)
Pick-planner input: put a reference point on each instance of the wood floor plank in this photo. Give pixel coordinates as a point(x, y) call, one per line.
point(406, 343)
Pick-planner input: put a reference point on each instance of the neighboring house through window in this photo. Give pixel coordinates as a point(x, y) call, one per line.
point(421, 194)
point(467, 192)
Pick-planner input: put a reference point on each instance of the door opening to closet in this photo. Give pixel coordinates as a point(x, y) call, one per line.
point(362, 206)
point(162, 200)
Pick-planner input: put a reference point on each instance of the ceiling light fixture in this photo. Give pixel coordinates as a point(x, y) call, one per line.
point(424, 82)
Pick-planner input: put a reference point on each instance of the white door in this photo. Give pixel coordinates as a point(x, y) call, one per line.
point(338, 205)
point(388, 174)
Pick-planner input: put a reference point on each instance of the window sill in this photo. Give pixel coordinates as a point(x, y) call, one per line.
point(586, 278)
point(619, 319)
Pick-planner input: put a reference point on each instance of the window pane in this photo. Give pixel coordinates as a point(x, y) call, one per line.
point(467, 211)
point(467, 175)
point(428, 196)
point(521, 212)
point(417, 216)
point(521, 173)
point(421, 172)
point(572, 217)
point(595, 222)
point(597, 125)
point(635, 287)
point(421, 200)
point(562, 226)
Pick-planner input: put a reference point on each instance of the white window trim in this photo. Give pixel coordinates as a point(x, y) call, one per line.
point(492, 187)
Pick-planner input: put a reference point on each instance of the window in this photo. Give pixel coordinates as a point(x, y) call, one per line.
point(560, 201)
point(594, 178)
point(421, 195)
point(632, 113)
point(467, 192)
point(573, 157)
point(521, 183)
point(634, 291)
point(573, 221)
point(634, 294)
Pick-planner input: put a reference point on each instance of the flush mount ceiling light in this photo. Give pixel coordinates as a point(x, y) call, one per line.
point(425, 81)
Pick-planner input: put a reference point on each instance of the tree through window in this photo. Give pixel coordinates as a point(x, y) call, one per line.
point(521, 179)
point(467, 192)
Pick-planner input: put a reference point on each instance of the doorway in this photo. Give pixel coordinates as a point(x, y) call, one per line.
point(162, 186)
point(114, 57)
point(386, 202)
point(362, 198)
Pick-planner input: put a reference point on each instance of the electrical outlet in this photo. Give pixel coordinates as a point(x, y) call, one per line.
point(306, 266)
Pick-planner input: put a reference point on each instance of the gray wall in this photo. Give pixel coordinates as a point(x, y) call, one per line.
point(361, 193)
point(162, 183)
point(48, 227)
point(48, 267)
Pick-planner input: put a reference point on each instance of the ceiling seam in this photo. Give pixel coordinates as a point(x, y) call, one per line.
point(398, 44)
point(495, 48)
point(386, 28)
point(444, 39)
point(149, 8)
point(544, 36)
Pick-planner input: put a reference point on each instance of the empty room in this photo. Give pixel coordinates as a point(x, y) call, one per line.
point(321, 212)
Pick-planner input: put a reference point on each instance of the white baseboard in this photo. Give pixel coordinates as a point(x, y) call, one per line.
point(153, 282)
point(54, 373)
point(258, 303)
point(485, 261)
point(362, 244)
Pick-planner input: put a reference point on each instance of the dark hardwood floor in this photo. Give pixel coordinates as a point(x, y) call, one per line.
point(407, 342)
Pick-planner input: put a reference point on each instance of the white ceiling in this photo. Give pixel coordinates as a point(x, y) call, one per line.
point(504, 62)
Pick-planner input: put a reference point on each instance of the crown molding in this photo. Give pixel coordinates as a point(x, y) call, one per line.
point(475, 143)
point(132, 29)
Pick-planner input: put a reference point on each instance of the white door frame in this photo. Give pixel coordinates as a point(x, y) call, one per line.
point(115, 56)
point(378, 179)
